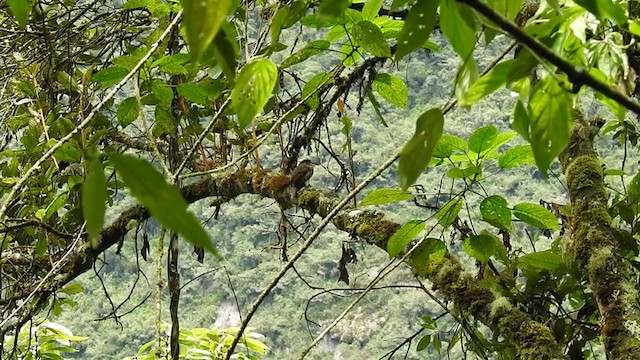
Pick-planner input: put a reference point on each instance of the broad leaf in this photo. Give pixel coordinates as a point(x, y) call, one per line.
point(109, 76)
point(605, 9)
point(312, 48)
point(427, 256)
point(20, 10)
point(202, 20)
point(369, 36)
point(516, 156)
point(333, 8)
point(449, 144)
point(419, 24)
point(546, 260)
point(416, 153)
point(392, 88)
point(482, 139)
point(314, 84)
point(164, 201)
point(94, 198)
point(480, 247)
point(472, 172)
point(193, 92)
point(128, 111)
point(401, 238)
point(494, 210)
point(254, 86)
point(536, 215)
point(385, 196)
point(448, 213)
point(370, 9)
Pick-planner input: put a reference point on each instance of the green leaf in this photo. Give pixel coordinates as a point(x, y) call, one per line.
point(416, 153)
point(550, 121)
point(472, 172)
point(520, 120)
point(370, 9)
point(456, 30)
point(94, 198)
point(72, 289)
point(516, 156)
point(285, 17)
point(164, 201)
point(163, 92)
point(369, 36)
point(385, 196)
point(449, 144)
point(546, 260)
point(333, 8)
point(482, 139)
point(109, 76)
point(225, 49)
point(401, 238)
point(128, 111)
point(254, 86)
point(536, 215)
point(194, 93)
point(164, 122)
point(312, 48)
point(376, 107)
point(423, 343)
point(20, 10)
point(392, 88)
point(605, 9)
point(448, 213)
point(314, 84)
point(202, 20)
point(494, 210)
point(418, 26)
point(427, 256)
point(480, 247)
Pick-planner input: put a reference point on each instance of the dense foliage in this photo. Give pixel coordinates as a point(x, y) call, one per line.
point(129, 125)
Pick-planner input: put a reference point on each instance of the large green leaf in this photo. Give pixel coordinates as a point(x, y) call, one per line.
point(536, 215)
point(312, 48)
point(481, 247)
point(427, 256)
point(448, 213)
point(482, 139)
point(605, 9)
point(109, 76)
point(385, 196)
point(416, 153)
point(333, 8)
point(164, 201)
point(202, 20)
point(420, 22)
point(369, 36)
point(254, 86)
point(312, 85)
point(128, 111)
point(456, 30)
point(392, 88)
point(94, 197)
point(20, 10)
point(370, 9)
point(516, 156)
point(285, 17)
point(449, 144)
point(403, 236)
point(546, 260)
point(550, 121)
point(494, 210)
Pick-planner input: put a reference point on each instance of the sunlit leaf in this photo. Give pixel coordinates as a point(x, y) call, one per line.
point(333, 8)
point(416, 153)
point(20, 10)
point(536, 215)
point(448, 213)
point(164, 201)
point(385, 196)
point(546, 260)
point(312, 48)
point(202, 20)
point(401, 238)
point(427, 256)
point(516, 156)
point(494, 210)
point(369, 36)
point(482, 139)
point(109, 76)
point(254, 86)
point(392, 88)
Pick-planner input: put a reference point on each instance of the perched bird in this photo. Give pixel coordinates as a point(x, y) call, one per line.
point(301, 174)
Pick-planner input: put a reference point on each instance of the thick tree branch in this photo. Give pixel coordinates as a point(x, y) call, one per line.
point(531, 339)
point(593, 248)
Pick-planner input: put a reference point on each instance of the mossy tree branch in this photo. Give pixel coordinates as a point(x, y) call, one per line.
point(595, 251)
point(531, 339)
